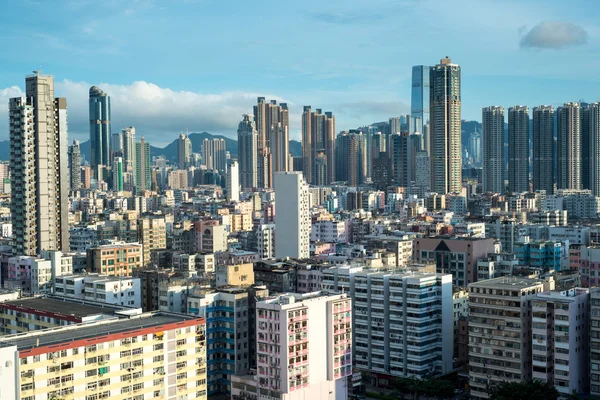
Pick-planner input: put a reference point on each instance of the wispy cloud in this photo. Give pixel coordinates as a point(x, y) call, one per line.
point(554, 35)
point(346, 18)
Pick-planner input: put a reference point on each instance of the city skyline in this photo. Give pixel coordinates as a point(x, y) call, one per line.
point(536, 61)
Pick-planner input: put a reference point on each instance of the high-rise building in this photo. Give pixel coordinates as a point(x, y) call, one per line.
point(314, 333)
point(116, 145)
point(420, 97)
point(560, 339)
point(594, 342)
point(493, 149)
point(184, 151)
point(108, 358)
point(543, 149)
point(445, 127)
point(117, 169)
point(292, 218)
point(401, 152)
point(568, 145)
point(39, 162)
point(318, 136)
point(75, 165)
point(247, 152)
point(475, 147)
point(129, 155)
point(394, 123)
point(422, 171)
point(214, 154)
point(272, 126)
point(233, 182)
point(99, 128)
point(500, 303)
point(143, 177)
point(590, 148)
point(351, 158)
point(518, 149)
point(391, 339)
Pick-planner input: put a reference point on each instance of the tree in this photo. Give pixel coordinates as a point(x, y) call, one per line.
point(527, 390)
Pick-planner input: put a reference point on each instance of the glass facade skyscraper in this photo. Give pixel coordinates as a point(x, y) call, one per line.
point(99, 128)
point(419, 103)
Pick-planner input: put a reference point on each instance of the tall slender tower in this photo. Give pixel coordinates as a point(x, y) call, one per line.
point(143, 174)
point(272, 126)
point(129, 155)
point(233, 182)
point(318, 141)
point(543, 148)
point(351, 158)
point(493, 149)
point(184, 151)
point(75, 165)
point(247, 152)
point(39, 160)
point(445, 127)
point(401, 152)
point(518, 149)
point(569, 146)
point(419, 102)
point(590, 140)
point(99, 128)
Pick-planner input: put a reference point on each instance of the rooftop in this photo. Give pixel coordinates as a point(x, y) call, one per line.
point(65, 306)
point(54, 336)
point(506, 282)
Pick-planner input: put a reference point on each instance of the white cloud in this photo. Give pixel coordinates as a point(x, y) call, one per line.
point(157, 113)
point(554, 35)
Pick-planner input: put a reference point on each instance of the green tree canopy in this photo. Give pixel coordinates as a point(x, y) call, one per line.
point(527, 390)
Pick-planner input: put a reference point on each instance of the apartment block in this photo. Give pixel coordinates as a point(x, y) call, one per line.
point(230, 331)
point(595, 343)
point(456, 256)
point(235, 275)
point(560, 339)
point(152, 234)
point(403, 322)
point(500, 331)
point(149, 356)
point(105, 289)
point(118, 259)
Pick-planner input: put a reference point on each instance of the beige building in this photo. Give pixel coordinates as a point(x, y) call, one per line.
point(147, 356)
point(115, 259)
point(152, 234)
point(40, 177)
point(500, 331)
point(235, 275)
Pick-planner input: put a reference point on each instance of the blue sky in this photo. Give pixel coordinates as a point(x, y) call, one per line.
point(198, 65)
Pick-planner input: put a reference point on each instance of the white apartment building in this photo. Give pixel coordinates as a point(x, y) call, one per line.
point(570, 234)
point(402, 321)
point(595, 342)
point(495, 266)
point(560, 339)
point(328, 232)
point(265, 236)
point(292, 219)
point(500, 331)
point(124, 291)
point(304, 348)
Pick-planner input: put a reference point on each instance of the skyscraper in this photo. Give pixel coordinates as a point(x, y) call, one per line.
point(395, 123)
point(39, 161)
point(129, 150)
point(351, 158)
point(518, 149)
point(116, 145)
point(75, 165)
point(445, 127)
point(568, 174)
point(214, 154)
point(590, 146)
point(247, 152)
point(401, 153)
point(292, 217)
point(117, 170)
point(318, 136)
point(99, 128)
point(493, 149)
point(272, 126)
point(184, 151)
point(143, 177)
point(420, 97)
point(543, 148)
